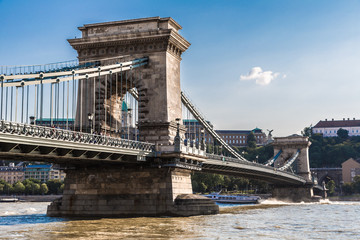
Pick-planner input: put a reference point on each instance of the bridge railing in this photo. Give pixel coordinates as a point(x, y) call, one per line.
point(72, 136)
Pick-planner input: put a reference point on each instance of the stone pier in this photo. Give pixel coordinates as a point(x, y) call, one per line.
point(129, 192)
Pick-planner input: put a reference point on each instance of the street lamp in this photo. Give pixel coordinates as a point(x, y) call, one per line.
point(32, 120)
point(90, 118)
point(129, 122)
point(202, 143)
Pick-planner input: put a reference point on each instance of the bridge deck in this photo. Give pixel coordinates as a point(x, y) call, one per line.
point(236, 167)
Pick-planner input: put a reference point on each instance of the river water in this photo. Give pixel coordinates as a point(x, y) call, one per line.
point(268, 220)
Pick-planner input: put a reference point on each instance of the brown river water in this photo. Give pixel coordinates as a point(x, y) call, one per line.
point(268, 220)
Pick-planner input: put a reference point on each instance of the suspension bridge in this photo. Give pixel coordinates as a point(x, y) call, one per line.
point(112, 119)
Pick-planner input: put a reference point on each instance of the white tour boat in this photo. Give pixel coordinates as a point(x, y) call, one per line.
point(233, 198)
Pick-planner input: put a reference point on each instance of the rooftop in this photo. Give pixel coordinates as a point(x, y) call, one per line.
point(337, 123)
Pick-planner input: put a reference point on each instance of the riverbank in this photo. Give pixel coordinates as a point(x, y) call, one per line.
point(345, 198)
point(33, 198)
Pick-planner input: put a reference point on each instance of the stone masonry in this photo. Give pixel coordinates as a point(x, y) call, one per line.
point(289, 146)
point(128, 192)
point(158, 83)
point(160, 186)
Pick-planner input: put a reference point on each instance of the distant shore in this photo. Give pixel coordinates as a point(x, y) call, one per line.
point(345, 198)
point(33, 198)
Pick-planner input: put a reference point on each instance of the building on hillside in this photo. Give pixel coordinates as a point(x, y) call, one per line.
point(12, 173)
point(43, 172)
point(329, 128)
point(350, 169)
point(239, 137)
point(232, 137)
point(57, 174)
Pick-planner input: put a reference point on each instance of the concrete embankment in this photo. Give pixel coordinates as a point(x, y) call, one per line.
point(34, 198)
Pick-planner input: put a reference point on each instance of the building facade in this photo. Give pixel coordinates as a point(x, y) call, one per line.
point(12, 173)
point(43, 172)
point(350, 169)
point(57, 174)
point(233, 137)
point(329, 128)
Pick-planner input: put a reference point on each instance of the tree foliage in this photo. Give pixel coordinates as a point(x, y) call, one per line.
point(342, 133)
point(31, 186)
point(332, 151)
point(251, 140)
point(307, 132)
point(19, 188)
point(331, 187)
point(43, 189)
point(207, 182)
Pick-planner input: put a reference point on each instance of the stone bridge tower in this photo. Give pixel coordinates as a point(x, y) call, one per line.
point(158, 83)
point(161, 185)
point(289, 146)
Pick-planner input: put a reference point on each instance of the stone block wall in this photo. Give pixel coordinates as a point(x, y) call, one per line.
point(128, 192)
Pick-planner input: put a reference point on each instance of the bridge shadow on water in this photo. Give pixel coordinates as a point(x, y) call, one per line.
point(28, 219)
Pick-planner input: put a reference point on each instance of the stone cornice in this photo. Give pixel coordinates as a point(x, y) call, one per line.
point(131, 38)
point(175, 43)
point(130, 21)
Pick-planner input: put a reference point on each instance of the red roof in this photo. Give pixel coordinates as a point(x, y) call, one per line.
point(338, 123)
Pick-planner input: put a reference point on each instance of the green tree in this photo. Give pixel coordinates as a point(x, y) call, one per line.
point(348, 189)
point(342, 133)
point(8, 188)
point(2, 188)
point(307, 132)
point(35, 188)
point(19, 188)
point(356, 184)
point(251, 140)
point(61, 189)
point(43, 189)
point(54, 186)
point(331, 187)
point(32, 188)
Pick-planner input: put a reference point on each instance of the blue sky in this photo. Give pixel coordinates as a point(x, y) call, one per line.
point(306, 51)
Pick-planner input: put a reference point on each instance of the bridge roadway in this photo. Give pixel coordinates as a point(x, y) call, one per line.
point(32, 143)
point(233, 166)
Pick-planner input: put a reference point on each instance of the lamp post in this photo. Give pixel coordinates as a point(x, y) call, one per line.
point(177, 139)
point(202, 143)
point(90, 118)
point(129, 122)
point(32, 120)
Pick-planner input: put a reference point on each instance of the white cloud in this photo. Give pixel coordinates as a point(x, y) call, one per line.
point(261, 77)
